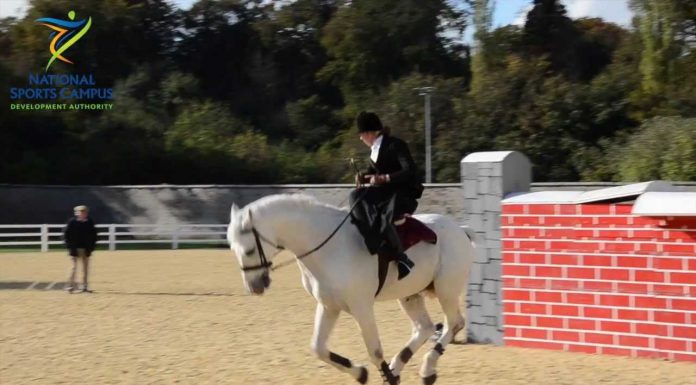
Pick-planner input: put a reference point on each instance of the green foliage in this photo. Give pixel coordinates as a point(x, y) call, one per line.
point(549, 32)
point(657, 29)
point(208, 136)
point(250, 91)
point(663, 148)
point(374, 42)
point(483, 18)
point(312, 122)
point(668, 32)
point(522, 103)
point(204, 127)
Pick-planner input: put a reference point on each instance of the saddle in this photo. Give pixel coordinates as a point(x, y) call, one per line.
point(413, 231)
point(410, 232)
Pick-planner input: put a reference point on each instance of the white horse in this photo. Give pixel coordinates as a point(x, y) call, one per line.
point(342, 276)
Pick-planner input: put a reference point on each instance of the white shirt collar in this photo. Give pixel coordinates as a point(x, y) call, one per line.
point(375, 148)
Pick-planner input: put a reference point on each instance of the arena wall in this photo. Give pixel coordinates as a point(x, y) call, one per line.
point(205, 204)
point(176, 204)
point(599, 277)
point(487, 179)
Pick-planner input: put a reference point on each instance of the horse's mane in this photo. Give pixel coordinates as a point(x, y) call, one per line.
point(282, 202)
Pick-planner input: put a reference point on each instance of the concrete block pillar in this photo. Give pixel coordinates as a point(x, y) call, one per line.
point(487, 177)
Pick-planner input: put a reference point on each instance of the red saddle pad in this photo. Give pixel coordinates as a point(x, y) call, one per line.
point(413, 231)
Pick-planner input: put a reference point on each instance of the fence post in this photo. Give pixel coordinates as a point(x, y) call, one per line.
point(486, 178)
point(175, 237)
point(112, 237)
point(44, 238)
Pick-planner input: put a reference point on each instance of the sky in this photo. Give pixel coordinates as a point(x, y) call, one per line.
point(515, 11)
point(506, 11)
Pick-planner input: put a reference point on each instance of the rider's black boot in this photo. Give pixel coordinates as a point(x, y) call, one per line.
point(404, 264)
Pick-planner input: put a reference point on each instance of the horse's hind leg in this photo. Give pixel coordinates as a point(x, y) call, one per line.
point(324, 322)
point(423, 328)
point(454, 322)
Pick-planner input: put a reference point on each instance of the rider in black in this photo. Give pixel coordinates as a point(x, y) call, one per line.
point(392, 190)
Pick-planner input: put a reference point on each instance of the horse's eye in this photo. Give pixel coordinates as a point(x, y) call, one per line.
point(244, 231)
point(250, 251)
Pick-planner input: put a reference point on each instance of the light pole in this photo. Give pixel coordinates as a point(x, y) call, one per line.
point(426, 91)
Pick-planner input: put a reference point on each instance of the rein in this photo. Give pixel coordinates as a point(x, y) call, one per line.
point(265, 263)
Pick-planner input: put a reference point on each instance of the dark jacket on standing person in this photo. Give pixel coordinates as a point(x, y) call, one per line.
point(80, 235)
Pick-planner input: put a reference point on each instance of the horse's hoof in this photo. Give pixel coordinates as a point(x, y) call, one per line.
point(395, 380)
point(363, 376)
point(430, 380)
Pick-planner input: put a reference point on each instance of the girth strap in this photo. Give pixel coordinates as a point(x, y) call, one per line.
point(382, 269)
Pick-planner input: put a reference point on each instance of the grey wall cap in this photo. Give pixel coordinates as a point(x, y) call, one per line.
point(568, 197)
point(658, 204)
point(627, 191)
point(612, 193)
point(486, 156)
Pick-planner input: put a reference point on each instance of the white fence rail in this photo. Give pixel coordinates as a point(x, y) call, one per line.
point(47, 235)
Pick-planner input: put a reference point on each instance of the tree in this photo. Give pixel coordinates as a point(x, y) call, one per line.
point(251, 91)
point(290, 43)
point(549, 32)
point(265, 57)
point(657, 28)
point(598, 40)
point(209, 144)
point(312, 122)
point(663, 148)
point(152, 24)
point(667, 30)
point(483, 18)
point(371, 43)
point(219, 43)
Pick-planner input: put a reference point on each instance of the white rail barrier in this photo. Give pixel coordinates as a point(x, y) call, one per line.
point(47, 235)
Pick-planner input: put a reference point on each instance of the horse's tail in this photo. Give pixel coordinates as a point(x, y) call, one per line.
point(471, 234)
point(463, 299)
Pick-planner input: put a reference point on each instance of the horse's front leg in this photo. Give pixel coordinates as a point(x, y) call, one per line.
point(365, 316)
point(324, 321)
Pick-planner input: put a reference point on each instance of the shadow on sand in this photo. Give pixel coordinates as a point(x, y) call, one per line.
point(210, 294)
point(38, 285)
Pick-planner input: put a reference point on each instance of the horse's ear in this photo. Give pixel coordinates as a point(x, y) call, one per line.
point(246, 220)
point(233, 211)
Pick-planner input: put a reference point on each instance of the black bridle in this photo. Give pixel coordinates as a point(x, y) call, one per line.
point(268, 265)
point(265, 263)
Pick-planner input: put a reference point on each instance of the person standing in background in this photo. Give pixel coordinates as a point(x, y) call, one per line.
point(80, 236)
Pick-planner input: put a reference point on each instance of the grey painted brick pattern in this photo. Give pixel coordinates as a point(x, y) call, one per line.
point(485, 181)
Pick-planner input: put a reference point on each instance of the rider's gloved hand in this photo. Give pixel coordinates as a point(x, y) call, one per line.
point(379, 179)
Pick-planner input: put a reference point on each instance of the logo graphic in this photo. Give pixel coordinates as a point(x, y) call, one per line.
point(65, 34)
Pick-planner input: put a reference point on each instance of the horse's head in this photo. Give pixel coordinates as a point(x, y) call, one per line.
point(250, 247)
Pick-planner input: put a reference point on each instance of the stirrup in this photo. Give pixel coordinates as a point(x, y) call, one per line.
point(404, 265)
point(403, 268)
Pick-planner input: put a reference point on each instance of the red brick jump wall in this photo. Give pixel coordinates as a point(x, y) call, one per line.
point(594, 278)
